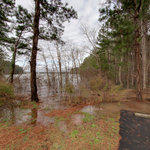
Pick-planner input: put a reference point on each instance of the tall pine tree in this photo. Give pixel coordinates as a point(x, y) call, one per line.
point(120, 48)
point(22, 25)
point(54, 13)
point(6, 10)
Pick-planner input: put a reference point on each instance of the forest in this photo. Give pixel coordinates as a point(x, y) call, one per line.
point(56, 93)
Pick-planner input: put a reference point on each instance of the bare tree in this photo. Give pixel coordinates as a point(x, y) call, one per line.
point(47, 70)
point(90, 35)
point(54, 70)
point(60, 65)
point(91, 38)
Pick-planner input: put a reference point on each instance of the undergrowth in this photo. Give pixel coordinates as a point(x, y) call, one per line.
point(6, 90)
point(94, 90)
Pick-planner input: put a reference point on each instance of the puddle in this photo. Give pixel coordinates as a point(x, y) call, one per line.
point(77, 119)
point(62, 125)
point(89, 109)
point(38, 117)
point(17, 115)
point(134, 126)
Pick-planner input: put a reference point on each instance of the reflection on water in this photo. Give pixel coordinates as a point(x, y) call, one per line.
point(14, 114)
point(89, 109)
point(17, 115)
point(44, 120)
point(77, 119)
point(62, 125)
point(49, 97)
point(34, 116)
point(38, 117)
point(134, 127)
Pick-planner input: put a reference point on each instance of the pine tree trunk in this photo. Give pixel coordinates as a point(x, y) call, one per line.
point(34, 95)
point(120, 73)
point(128, 79)
point(148, 63)
point(128, 72)
point(13, 62)
point(138, 60)
point(13, 65)
point(133, 69)
point(144, 53)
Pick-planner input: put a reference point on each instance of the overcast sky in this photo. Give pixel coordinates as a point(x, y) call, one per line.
point(87, 14)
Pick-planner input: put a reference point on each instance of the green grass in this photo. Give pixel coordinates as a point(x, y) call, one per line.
point(88, 117)
point(90, 135)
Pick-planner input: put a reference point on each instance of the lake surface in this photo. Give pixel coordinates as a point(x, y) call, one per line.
point(22, 83)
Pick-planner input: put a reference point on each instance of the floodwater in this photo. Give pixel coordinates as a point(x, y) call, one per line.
point(50, 99)
point(134, 129)
point(22, 83)
point(134, 126)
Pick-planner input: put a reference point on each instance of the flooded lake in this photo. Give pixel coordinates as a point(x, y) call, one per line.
point(22, 83)
point(133, 129)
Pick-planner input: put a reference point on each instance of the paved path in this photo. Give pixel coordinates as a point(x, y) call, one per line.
point(135, 131)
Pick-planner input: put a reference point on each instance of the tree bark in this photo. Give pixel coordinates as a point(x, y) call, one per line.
point(60, 67)
point(138, 59)
point(133, 69)
point(34, 95)
point(128, 72)
point(47, 71)
point(75, 65)
point(120, 73)
point(13, 65)
point(144, 53)
point(13, 62)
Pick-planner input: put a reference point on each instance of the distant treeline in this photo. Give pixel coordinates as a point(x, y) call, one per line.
point(5, 68)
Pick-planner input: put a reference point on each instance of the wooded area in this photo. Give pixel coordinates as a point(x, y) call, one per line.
point(120, 52)
point(75, 78)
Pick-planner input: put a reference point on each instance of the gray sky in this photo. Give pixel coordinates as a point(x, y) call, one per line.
point(87, 14)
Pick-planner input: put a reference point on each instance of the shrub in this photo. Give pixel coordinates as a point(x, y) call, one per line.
point(96, 83)
point(114, 93)
point(69, 88)
point(6, 90)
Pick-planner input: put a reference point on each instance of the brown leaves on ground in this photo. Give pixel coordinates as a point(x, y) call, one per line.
point(100, 133)
point(66, 112)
